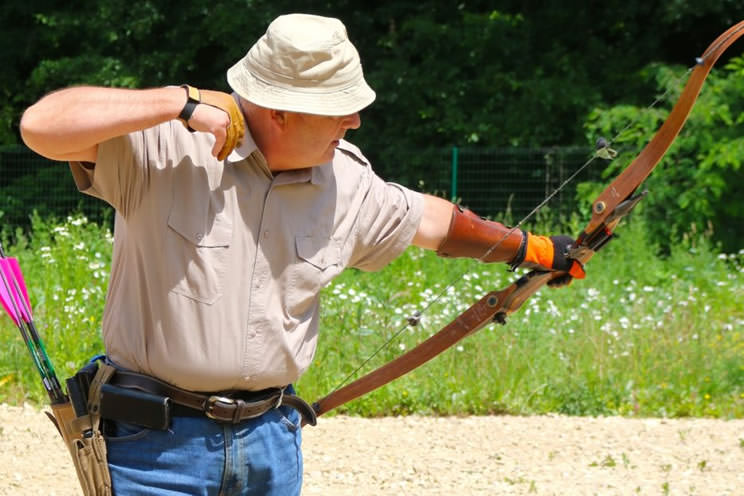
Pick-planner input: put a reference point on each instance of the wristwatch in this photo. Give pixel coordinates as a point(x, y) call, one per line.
point(193, 98)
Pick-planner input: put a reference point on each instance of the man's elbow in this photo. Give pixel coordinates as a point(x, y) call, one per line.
point(38, 135)
point(32, 130)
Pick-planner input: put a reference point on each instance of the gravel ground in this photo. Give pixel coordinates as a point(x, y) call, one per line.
point(549, 455)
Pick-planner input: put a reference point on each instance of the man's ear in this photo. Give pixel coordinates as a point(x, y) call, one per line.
point(278, 117)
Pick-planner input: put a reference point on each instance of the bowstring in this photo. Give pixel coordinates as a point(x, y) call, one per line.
point(414, 319)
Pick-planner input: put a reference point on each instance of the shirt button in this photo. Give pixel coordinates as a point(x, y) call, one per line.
point(199, 236)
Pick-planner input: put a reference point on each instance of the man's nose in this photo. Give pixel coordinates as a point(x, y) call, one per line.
point(352, 121)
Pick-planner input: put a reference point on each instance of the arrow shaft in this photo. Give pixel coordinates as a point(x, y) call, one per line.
point(15, 300)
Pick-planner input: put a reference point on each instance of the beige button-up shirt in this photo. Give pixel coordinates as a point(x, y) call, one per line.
point(217, 266)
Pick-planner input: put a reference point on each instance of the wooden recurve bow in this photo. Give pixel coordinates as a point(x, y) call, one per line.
point(616, 201)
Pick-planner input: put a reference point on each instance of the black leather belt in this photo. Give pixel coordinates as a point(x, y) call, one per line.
point(228, 406)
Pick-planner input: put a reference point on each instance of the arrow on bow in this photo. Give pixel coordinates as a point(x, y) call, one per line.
point(616, 201)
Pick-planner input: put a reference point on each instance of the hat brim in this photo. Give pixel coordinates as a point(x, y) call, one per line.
point(308, 100)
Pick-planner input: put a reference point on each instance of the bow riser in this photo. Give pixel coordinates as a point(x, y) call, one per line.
point(524, 287)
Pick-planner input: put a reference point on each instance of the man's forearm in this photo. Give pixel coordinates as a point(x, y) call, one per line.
point(74, 121)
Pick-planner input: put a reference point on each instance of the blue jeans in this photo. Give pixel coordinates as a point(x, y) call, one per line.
point(198, 456)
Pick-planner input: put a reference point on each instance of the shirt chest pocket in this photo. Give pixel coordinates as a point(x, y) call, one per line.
point(320, 253)
point(319, 260)
point(198, 241)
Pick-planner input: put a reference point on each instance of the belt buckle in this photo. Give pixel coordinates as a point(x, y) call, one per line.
point(212, 401)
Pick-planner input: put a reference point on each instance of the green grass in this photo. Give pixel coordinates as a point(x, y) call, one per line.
point(65, 266)
point(642, 335)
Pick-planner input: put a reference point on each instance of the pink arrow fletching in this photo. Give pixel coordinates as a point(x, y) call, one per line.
point(26, 306)
point(20, 303)
point(5, 297)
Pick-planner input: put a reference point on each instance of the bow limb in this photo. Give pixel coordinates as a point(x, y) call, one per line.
point(493, 307)
point(616, 201)
point(625, 184)
point(472, 319)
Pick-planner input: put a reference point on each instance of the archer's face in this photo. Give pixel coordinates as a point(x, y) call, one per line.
point(309, 140)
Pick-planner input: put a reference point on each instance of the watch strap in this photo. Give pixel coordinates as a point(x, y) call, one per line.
point(193, 98)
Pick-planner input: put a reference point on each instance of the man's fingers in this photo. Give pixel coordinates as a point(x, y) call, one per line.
point(219, 147)
point(229, 143)
point(235, 129)
point(560, 281)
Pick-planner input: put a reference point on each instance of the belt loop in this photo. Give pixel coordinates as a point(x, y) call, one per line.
point(281, 397)
point(237, 412)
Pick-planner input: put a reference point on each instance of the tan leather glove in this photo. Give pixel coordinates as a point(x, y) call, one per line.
point(236, 129)
point(226, 103)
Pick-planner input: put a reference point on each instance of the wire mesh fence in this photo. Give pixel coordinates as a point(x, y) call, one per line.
point(515, 181)
point(491, 182)
point(498, 182)
point(30, 183)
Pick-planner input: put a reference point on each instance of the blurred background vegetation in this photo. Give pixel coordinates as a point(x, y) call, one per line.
point(490, 79)
point(479, 75)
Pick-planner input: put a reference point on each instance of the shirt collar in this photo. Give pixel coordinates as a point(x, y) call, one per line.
point(245, 149)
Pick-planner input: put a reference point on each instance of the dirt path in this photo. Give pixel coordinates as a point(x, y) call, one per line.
point(443, 456)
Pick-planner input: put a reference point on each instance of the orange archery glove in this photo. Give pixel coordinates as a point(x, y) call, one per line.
point(549, 253)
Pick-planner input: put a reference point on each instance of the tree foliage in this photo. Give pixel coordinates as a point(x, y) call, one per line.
point(469, 73)
point(474, 72)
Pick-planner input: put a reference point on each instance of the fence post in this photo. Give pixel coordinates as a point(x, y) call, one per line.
point(453, 182)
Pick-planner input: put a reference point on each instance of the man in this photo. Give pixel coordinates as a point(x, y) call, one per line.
point(224, 238)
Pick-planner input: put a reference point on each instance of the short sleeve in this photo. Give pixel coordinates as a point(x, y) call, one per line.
point(388, 220)
point(121, 171)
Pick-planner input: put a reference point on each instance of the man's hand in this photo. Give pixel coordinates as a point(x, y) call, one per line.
point(549, 253)
point(220, 116)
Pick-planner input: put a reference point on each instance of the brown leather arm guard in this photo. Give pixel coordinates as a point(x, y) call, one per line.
point(474, 237)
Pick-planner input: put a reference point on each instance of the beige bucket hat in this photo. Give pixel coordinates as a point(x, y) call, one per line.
point(304, 63)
